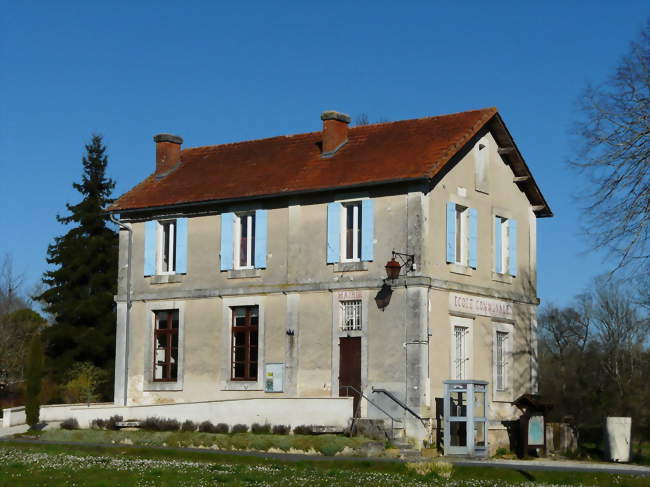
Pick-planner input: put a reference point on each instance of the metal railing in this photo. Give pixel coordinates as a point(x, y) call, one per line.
point(391, 396)
point(362, 395)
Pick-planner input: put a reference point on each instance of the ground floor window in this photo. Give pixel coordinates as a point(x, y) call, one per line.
point(245, 334)
point(165, 361)
point(501, 360)
point(351, 315)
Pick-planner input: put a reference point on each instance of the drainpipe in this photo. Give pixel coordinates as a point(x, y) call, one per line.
point(128, 301)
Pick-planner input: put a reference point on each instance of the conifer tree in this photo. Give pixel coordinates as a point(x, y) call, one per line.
point(34, 377)
point(81, 286)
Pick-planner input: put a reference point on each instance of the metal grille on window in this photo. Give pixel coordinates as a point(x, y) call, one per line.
point(502, 339)
point(351, 315)
point(460, 358)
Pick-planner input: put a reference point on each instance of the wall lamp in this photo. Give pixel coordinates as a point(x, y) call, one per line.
point(394, 267)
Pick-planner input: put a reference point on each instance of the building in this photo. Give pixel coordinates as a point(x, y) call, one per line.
point(254, 272)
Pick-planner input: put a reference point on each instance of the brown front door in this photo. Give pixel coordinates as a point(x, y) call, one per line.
point(350, 370)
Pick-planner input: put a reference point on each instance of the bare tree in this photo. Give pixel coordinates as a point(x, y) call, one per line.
point(10, 285)
point(614, 157)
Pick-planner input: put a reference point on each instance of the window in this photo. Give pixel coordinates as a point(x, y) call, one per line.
point(481, 181)
point(166, 255)
point(165, 360)
point(245, 333)
point(461, 355)
point(501, 360)
point(462, 235)
point(351, 232)
point(505, 245)
point(351, 315)
point(244, 244)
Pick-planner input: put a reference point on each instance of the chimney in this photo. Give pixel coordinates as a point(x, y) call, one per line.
point(168, 152)
point(335, 131)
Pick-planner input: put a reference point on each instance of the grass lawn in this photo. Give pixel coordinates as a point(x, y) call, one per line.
point(55, 465)
point(328, 445)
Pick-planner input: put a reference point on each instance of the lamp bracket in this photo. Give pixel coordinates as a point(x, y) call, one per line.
point(407, 260)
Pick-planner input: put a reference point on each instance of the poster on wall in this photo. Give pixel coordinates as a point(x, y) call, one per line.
point(273, 378)
point(536, 430)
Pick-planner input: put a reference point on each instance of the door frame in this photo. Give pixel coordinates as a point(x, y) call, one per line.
point(337, 333)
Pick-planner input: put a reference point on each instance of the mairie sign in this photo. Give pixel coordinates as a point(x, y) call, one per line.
point(494, 308)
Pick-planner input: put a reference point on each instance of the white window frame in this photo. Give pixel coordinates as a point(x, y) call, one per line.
point(250, 243)
point(505, 246)
point(356, 230)
point(461, 240)
point(351, 308)
point(504, 392)
point(466, 324)
point(160, 247)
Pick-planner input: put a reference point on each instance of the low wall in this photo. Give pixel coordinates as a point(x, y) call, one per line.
point(287, 411)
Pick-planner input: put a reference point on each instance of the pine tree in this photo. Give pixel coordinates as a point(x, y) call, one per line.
point(81, 287)
point(34, 377)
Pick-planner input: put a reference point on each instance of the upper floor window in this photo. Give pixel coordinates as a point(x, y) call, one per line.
point(245, 338)
point(350, 231)
point(165, 247)
point(165, 366)
point(461, 235)
point(351, 221)
point(505, 245)
point(351, 315)
point(166, 255)
point(244, 241)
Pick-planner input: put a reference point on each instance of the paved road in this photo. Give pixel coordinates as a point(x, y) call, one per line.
point(523, 465)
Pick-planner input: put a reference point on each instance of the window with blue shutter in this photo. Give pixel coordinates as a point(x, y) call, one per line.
point(498, 249)
point(227, 226)
point(181, 246)
point(260, 238)
point(512, 237)
point(333, 232)
point(451, 232)
point(473, 237)
point(150, 242)
point(367, 230)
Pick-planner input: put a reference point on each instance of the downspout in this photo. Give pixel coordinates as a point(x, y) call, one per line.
point(128, 302)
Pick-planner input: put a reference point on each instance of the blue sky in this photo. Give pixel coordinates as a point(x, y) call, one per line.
point(217, 72)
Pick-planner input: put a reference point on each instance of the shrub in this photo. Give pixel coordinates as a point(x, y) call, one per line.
point(98, 423)
point(111, 423)
point(261, 429)
point(222, 428)
point(70, 424)
point(281, 429)
point(239, 428)
point(439, 468)
point(160, 424)
point(303, 429)
point(207, 427)
point(188, 426)
point(83, 381)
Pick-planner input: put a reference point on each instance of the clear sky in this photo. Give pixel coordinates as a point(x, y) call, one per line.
point(217, 72)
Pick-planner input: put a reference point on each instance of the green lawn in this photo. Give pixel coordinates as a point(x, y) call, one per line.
point(55, 465)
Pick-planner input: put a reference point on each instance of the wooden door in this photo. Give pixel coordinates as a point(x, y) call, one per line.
point(350, 370)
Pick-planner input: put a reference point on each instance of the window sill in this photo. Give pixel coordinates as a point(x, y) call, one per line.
point(461, 269)
point(167, 278)
point(236, 385)
point(244, 273)
point(163, 386)
point(504, 278)
point(350, 266)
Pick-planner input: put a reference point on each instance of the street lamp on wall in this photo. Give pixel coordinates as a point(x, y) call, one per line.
point(394, 267)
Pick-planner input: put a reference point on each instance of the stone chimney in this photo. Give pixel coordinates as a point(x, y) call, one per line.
point(168, 152)
point(335, 131)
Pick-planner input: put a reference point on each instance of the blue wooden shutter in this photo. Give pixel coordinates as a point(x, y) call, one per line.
point(512, 246)
point(498, 265)
point(367, 229)
point(181, 246)
point(260, 238)
point(150, 241)
point(333, 232)
point(451, 232)
point(473, 237)
point(227, 223)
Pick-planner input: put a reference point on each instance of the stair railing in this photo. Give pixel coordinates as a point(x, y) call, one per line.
point(391, 396)
point(361, 394)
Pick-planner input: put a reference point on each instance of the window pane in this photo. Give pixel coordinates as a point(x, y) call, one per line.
point(458, 404)
point(252, 371)
point(479, 434)
point(239, 370)
point(479, 404)
point(175, 319)
point(253, 354)
point(358, 231)
point(254, 336)
point(349, 229)
point(240, 354)
point(458, 433)
point(239, 339)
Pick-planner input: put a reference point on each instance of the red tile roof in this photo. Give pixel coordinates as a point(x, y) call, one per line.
point(385, 152)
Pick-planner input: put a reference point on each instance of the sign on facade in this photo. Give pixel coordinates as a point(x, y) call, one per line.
point(273, 377)
point(475, 305)
point(536, 430)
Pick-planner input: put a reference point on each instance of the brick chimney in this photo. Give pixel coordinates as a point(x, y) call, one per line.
point(335, 131)
point(168, 152)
